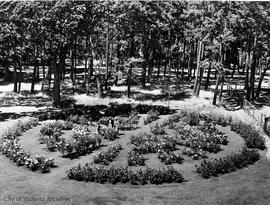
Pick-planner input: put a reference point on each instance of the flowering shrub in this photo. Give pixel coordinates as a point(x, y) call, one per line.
point(51, 128)
point(210, 140)
point(10, 148)
point(124, 175)
point(250, 134)
point(127, 123)
point(217, 136)
point(173, 119)
point(67, 125)
point(105, 157)
point(158, 130)
point(82, 143)
point(80, 130)
point(152, 115)
point(195, 154)
point(79, 119)
point(109, 133)
point(167, 142)
point(39, 162)
point(227, 164)
point(169, 157)
point(144, 143)
point(135, 158)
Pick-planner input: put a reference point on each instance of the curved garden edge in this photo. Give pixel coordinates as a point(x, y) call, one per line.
point(189, 180)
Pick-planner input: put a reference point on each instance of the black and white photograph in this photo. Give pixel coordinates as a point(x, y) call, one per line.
point(134, 102)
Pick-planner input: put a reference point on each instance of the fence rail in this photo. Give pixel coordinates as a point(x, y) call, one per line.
point(259, 118)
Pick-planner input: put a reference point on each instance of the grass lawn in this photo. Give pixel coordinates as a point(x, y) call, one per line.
point(246, 186)
point(249, 185)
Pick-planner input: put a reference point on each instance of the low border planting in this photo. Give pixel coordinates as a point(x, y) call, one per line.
point(81, 143)
point(124, 175)
point(10, 147)
point(135, 159)
point(228, 164)
point(251, 136)
point(107, 156)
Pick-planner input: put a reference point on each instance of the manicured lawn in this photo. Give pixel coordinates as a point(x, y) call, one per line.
point(246, 186)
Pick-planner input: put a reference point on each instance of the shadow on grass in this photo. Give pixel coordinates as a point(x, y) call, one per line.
point(11, 115)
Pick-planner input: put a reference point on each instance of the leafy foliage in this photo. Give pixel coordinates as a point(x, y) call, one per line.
point(124, 175)
point(227, 164)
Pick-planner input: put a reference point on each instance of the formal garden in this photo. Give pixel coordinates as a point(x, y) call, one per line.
point(134, 102)
point(157, 145)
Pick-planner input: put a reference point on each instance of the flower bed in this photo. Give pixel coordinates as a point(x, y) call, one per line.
point(82, 143)
point(158, 129)
point(124, 175)
point(128, 123)
point(169, 157)
point(79, 119)
point(198, 143)
point(135, 158)
point(106, 157)
point(152, 115)
point(227, 164)
point(109, 133)
point(144, 143)
point(10, 148)
point(250, 134)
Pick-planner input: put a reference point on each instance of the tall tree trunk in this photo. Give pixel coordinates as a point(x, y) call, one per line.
point(189, 62)
point(20, 76)
point(150, 68)
point(159, 64)
point(34, 78)
point(90, 68)
point(8, 74)
point(247, 86)
point(107, 58)
point(144, 74)
point(216, 90)
point(75, 62)
point(208, 76)
point(72, 72)
point(99, 86)
point(260, 80)
point(43, 69)
point(221, 88)
point(129, 81)
point(50, 75)
point(165, 69)
point(183, 60)
point(62, 61)
point(253, 69)
point(196, 88)
point(15, 88)
point(234, 65)
point(56, 82)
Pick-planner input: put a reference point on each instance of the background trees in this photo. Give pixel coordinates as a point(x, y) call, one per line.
point(186, 40)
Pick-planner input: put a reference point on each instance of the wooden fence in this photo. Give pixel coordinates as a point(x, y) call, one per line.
point(261, 119)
